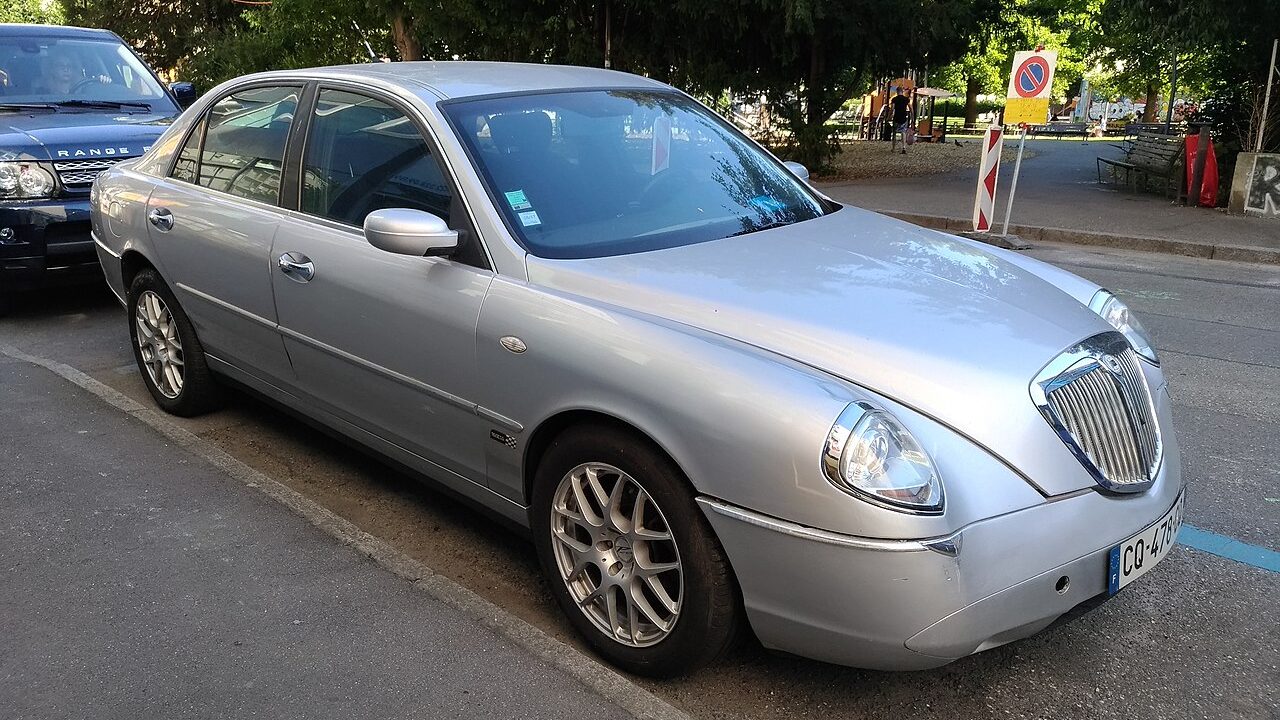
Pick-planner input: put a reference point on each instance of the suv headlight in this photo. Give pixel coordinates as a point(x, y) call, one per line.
point(25, 179)
point(1115, 312)
point(870, 455)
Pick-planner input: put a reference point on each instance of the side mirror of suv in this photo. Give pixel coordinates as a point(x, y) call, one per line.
point(409, 232)
point(185, 93)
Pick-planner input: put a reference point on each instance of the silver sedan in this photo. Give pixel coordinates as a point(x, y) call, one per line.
point(718, 399)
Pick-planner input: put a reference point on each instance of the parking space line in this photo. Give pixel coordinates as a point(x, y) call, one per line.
point(1229, 547)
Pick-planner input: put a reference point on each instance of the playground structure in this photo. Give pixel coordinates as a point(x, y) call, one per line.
point(874, 121)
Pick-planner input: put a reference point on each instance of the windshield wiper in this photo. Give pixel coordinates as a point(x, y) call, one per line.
point(766, 226)
point(26, 106)
point(102, 104)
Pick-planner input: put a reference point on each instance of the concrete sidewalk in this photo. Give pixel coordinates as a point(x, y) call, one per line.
point(1059, 200)
point(139, 581)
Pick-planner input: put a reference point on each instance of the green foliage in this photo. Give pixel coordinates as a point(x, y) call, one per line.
point(30, 11)
point(954, 107)
point(1223, 50)
point(162, 31)
point(287, 34)
point(1066, 26)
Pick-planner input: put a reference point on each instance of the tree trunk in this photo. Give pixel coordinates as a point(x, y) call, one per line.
point(971, 88)
point(1152, 110)
point(402, 32)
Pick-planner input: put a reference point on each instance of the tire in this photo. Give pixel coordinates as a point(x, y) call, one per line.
point(620, 558)
point(186, 387)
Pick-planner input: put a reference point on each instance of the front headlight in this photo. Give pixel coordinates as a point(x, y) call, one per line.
point(1115, 312)
point(870, 455)
point(25, 179)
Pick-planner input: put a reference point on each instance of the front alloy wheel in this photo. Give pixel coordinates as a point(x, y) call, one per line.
point(628, 554)
point(616, 554)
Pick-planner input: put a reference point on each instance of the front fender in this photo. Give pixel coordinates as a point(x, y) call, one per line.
point(746, 426)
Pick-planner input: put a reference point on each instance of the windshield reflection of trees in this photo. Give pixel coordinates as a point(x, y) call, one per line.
point(748, 179)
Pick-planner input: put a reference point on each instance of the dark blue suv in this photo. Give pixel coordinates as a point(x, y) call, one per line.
point(73, 102)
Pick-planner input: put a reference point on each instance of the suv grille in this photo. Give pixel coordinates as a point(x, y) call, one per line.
point(79, 174)
point(1097, 398)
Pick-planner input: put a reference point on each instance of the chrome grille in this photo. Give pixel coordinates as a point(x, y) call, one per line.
point(1097, 398)
point(80, 173)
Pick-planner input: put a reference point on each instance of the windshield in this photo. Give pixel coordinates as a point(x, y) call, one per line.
point(35, 70)
point(606, 172)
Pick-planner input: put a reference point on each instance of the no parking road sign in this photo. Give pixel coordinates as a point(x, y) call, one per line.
point(1030, 85)
point(1032, 77)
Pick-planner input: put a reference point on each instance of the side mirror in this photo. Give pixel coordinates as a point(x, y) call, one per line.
point(798, 170)
point(409, 232)
point(185, 93)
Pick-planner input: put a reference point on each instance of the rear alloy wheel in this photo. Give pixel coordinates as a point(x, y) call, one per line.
point(628, 554)
point(159, 346)
point(169, 356)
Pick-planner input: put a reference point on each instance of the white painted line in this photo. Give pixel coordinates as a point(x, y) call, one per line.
point(604, 680)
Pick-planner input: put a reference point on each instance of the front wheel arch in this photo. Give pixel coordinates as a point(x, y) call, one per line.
point(552, 427)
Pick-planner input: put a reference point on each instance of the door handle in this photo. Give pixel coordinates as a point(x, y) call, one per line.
point(161, 218)
point(297, 266)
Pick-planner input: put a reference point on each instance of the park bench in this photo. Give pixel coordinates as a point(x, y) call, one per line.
point(1060, 129)
point(1152, 156)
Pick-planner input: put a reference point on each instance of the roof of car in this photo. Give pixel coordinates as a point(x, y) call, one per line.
point(61, 31)
point(456, 79)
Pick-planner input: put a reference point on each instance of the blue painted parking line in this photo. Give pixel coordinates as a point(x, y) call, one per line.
point(1229, 548)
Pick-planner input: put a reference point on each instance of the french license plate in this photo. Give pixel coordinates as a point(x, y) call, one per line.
point(1132, 558)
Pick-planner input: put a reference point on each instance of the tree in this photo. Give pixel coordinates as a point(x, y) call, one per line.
point(1062, 25)
point(30, 11)
point(163, 31)
point(285, 34)
point(1225, 50)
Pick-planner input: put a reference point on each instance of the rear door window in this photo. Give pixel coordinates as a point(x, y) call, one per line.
point(364, 154)
point(244, 142)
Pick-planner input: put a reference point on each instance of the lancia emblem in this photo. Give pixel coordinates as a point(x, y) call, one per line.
point(1111, 363)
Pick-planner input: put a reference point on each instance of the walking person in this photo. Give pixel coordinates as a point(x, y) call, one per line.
point(901, 120)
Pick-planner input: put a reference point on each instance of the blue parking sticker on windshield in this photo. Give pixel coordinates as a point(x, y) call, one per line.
point(768, 203)
point(529, 219)
point(518, 201)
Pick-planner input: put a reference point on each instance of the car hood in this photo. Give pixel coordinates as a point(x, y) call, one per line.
point(925, 319)
point(72, 134)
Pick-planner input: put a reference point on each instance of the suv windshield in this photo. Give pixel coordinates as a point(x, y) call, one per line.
point(36, 70)
point(606, 172)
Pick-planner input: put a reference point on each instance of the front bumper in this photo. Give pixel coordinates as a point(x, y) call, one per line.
point(912, 605)
point(50, 243)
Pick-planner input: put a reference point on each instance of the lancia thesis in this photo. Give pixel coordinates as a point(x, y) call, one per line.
point(719, 400)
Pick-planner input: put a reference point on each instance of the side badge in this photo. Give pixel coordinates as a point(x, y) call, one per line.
point(505, 439)
point(514, 344)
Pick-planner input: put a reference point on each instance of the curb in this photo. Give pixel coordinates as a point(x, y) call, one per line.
point(603, 680)
point(1188, 248)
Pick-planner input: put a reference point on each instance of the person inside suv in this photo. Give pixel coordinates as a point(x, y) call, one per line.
point(60, 75)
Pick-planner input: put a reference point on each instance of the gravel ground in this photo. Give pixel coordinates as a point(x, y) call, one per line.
point(872, 159)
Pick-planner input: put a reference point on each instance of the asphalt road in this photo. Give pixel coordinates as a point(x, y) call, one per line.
point(1197, 638)
point(142, 582)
